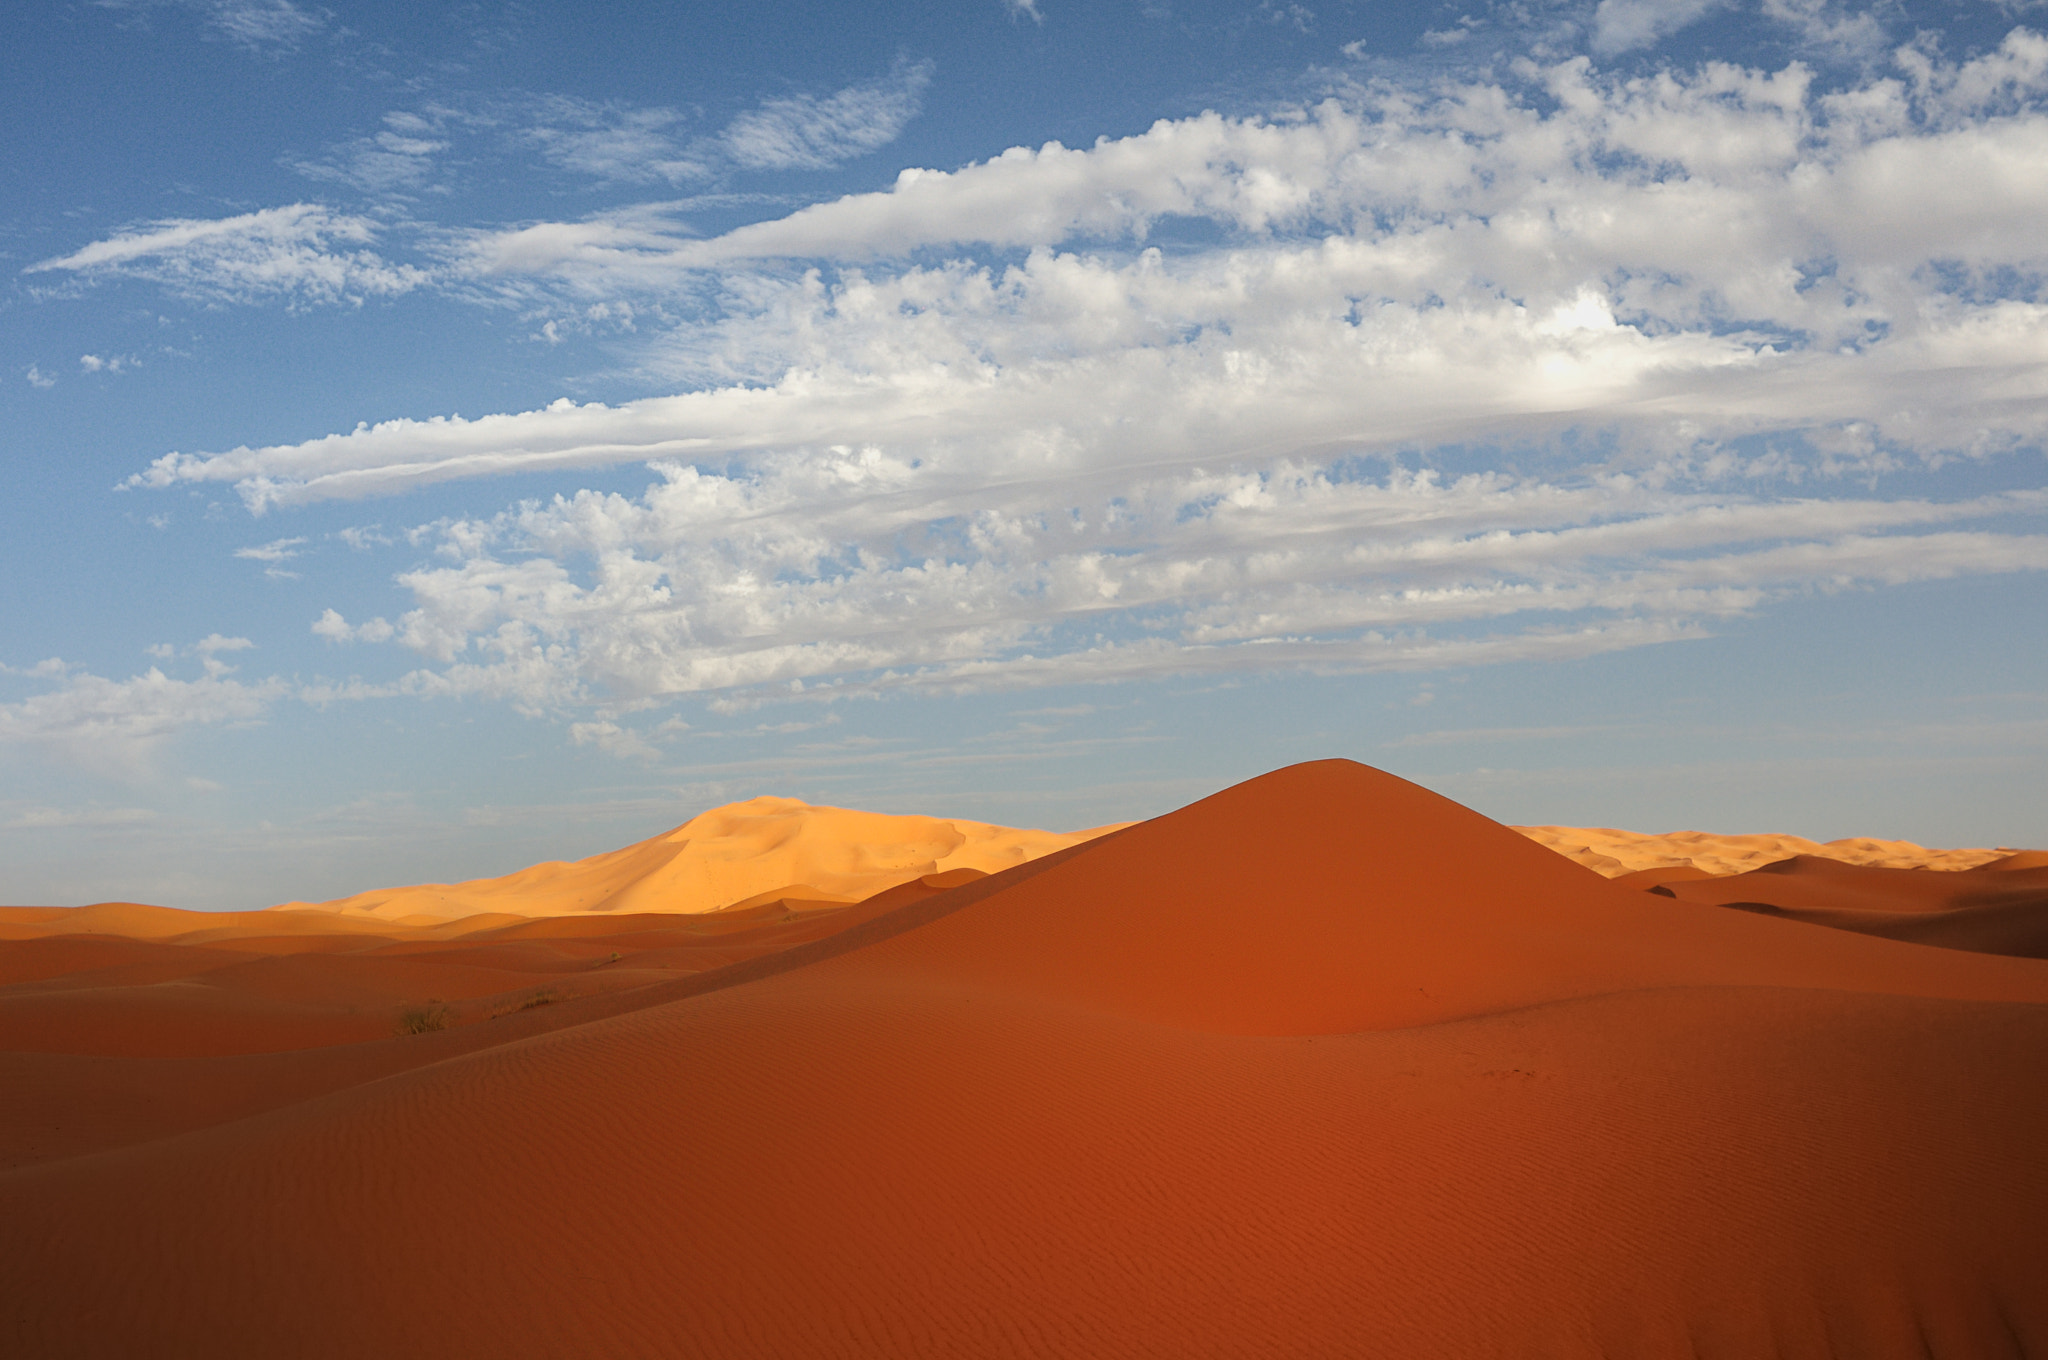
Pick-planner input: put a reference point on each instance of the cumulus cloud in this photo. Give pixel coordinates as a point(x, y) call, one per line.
point(332, 626)
point(831, 580)
point(300, 252)
point(1704, 255)
point(977, 430)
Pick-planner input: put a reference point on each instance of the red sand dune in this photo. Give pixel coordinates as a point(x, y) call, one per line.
point(1322, 1065)
point(1998, 908)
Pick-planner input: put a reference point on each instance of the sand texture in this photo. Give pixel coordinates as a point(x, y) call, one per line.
point(1323, 1065)
point(759, 849)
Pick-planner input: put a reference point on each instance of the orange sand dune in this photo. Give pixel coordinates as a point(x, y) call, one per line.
point(757, 850)
point(1324, 1065)
point(1614, 853)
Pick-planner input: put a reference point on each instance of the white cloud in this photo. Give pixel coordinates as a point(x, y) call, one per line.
point(403, 156)
point(364, 537)
point(806, 132)
point(628, 144)
point(1623, 25)
point(117, 726)
point(834, 576)
point(613, 740)
point(332, 626)
point(298, 252)
point(113, 363)
point(1075, 457)
point(617, 142)
point(277, 550)
point(274, 555)
point(1024, 9)
point(38, 378)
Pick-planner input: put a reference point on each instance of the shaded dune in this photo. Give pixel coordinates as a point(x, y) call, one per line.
point(1992, 909)
point(1322, 1066)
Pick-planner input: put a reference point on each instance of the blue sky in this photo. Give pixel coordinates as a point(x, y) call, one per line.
point(445, 437)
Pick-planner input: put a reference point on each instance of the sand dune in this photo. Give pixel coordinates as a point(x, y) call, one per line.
point(757, 850)
point(1613, 853)
point(1324, 1065)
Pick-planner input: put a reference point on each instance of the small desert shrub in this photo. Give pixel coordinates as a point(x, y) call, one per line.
point(544, 997)
point(420, 1019)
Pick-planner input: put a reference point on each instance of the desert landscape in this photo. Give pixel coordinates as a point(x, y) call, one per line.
point(1324, 1064)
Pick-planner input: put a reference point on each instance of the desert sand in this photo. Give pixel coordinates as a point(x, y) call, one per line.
point(1322, 1065)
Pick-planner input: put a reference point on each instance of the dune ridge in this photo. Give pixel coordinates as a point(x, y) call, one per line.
point(756, 850)
point(1322, 1065)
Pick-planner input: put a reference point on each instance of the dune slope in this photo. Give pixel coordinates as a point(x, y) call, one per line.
point(1323, 1065)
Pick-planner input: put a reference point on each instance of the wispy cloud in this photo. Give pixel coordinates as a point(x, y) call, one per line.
point(274, 555)
point(1622, 25)
point(277, 550)
point(116, 727)
point(808, 132)
point(300, 252)
point(400, 158)
point(35, 818)
point(260, 26)
point(617, 142)
point(641, 144)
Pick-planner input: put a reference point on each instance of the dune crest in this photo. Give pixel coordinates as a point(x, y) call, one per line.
point(748, 852)
point(1612, 853)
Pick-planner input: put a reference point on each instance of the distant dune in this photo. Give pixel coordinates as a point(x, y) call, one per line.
point(1322, 1065)
point(762, 848)
point(1612, 853)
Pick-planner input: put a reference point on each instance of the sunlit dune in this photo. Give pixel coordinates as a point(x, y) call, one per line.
point(742, 853)
point(1322, 1065)
point(1613, 853)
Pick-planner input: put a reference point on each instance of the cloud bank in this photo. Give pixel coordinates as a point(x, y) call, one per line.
point(1007, 425)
